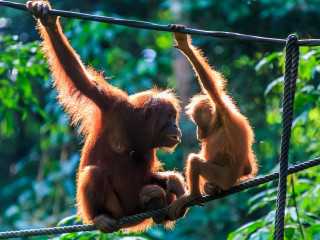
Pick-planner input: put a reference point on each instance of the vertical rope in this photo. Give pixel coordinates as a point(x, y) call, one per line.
point(290, 78)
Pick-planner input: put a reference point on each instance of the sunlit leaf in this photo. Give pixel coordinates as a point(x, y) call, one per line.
point(273, 84)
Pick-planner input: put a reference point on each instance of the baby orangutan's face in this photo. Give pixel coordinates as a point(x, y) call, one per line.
point(204, 116)
point(202, 112)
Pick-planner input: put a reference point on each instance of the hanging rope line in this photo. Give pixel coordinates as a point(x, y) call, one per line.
point(135, 218)
point(153, 26)
point(291, 71)
point(290, 79)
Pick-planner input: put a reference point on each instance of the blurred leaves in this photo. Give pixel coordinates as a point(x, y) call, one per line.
point(40, 152)
point(16, 93)
point(304, 145)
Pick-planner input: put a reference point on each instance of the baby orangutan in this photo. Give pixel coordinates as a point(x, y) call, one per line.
point(226, 157)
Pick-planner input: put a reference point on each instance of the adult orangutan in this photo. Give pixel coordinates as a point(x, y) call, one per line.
point(118, 173)
point(226, 157)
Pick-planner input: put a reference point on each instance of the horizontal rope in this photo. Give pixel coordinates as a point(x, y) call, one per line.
point(138, 217)
point(153, 26)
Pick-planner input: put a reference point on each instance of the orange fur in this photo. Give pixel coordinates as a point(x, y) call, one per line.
point(117, 159)
point(226, 155)
point(230, 136)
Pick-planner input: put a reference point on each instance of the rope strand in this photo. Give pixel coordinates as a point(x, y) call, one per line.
point(290, 78)
point(292, 61)
point(158, 27)
point(90, 227)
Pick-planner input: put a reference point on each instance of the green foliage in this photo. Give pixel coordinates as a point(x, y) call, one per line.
point(38, 185)
point(16, 93)
point(138, 63)
point(302, 212)
point(39, 152)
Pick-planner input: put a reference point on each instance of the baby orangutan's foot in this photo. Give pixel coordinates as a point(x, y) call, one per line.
point(178, 208)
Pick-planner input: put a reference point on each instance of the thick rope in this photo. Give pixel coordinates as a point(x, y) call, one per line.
point(135, 218)
point(153, 26)
point(292, 60)
point(47, 231)
point(290, 78)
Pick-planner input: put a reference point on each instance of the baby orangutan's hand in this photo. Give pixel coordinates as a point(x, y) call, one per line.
point(182, 39)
